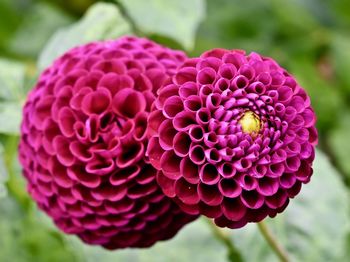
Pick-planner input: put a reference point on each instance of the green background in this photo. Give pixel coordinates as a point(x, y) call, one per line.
point(310, 38)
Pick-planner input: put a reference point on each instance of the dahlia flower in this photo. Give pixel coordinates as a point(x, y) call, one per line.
point(233, 137)
point(83, 142)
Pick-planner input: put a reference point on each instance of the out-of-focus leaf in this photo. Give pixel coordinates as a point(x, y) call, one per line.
point(259, 26)
point(3, 173)
point(75, 7)
point(16, 184)
point(341, 57)
point(326, 98)
point(341, 9)
point(23, 238)
point(10, 228)
point(36, 28)
point(12, 75)
point(10, 117)
point(11, 80)
point(319, 9)
point(193, 243)
point(338, 141)
point(10, 16)
point(314, 226)
point(176, 19)
point(101, 21)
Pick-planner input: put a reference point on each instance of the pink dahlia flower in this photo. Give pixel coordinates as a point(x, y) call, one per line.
point(83, 142)
point(233, 137)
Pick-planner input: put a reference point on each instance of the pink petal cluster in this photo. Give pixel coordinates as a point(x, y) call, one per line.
point(83, 142)
point(207, 162)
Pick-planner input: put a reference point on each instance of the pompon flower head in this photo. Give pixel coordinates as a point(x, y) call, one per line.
point(233, 137)
point(83, 142)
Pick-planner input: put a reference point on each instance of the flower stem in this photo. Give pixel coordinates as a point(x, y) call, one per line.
point(272, 241)
point(233, 254)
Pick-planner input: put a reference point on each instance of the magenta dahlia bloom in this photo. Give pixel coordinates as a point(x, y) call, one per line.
point(233, 137)
point(83, 142)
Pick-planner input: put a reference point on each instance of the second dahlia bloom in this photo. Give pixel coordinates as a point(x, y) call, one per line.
point(83, 142)
point(233, 137)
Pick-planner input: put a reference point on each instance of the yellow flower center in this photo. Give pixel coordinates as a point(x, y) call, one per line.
point(250, 123)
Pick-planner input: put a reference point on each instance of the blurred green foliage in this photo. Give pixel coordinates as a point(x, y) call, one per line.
point(102, 22)
point(23, 238)
point(175, 19)
point(310, 38)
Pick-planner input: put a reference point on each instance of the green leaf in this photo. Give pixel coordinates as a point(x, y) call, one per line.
point(12, 93)
point(259, 26)
point(234, 256)
point(3, 173)
point(10, 228)
point(326, 100)
point(341, 59)
point(10, 117)
point(12, 75)
point(176, 19)
point(314, 226)
point(10, 16)
point(341, 9)
point(38, 24)
point(16, 184)
point(193, 243)
point(24, 238)
point(102, 21)
point(338, 143)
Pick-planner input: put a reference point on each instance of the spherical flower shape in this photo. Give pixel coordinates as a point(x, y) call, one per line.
point(83, 142)
point(233, 137)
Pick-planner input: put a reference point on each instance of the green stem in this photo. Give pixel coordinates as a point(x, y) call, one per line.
point(272, 241)
point(233, 254)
